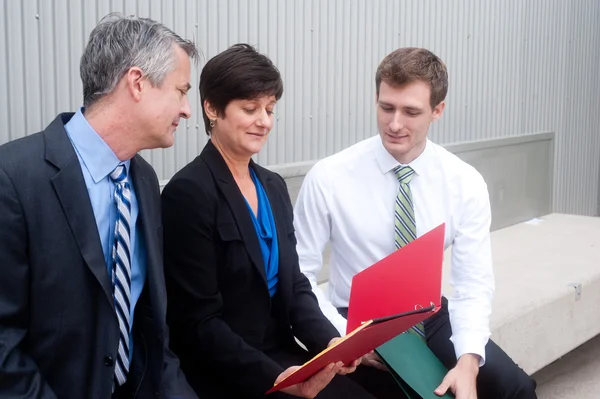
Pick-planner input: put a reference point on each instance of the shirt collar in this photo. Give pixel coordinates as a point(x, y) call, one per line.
point(387, 162)
point(95, 154)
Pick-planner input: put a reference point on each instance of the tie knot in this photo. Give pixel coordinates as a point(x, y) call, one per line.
point(119, 175)
point(404, 174)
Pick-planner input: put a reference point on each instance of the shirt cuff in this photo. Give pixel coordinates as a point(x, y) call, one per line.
point(470, 343)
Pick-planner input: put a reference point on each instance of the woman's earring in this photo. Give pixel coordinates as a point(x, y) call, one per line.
point(212, 122)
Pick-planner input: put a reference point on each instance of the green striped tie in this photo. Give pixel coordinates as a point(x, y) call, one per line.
point(404, 214)
point(405, 227)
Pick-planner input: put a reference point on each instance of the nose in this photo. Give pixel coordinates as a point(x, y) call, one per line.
point(186, 110)
point(265, 120)
point(397, 122)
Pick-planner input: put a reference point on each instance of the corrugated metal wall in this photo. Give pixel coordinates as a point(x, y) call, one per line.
point(516, 67)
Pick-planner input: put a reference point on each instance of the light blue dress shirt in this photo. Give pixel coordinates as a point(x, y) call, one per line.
point(97, 162)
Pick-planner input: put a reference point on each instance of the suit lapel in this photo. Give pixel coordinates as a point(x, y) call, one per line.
point(277, 201)
point(237, 204)
point(71, 190)
point(148, 205)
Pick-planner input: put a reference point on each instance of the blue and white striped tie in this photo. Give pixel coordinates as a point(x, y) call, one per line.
point(121, 272)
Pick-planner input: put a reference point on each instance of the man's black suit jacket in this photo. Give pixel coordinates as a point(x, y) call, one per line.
point(58, 329)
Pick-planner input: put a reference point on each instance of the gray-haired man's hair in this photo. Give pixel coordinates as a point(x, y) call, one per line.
point(119, 43)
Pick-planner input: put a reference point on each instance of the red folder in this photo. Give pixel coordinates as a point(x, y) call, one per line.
point(386, 299)
point(406, 280)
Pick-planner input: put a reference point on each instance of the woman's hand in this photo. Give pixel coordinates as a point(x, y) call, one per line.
point(311, 387)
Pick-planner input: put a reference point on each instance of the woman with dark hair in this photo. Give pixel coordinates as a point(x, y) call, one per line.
point(236, 296)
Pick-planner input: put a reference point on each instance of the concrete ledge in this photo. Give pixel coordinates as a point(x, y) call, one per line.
point(537, 314)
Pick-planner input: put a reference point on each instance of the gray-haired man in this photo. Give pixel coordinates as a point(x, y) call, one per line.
point(82, 292)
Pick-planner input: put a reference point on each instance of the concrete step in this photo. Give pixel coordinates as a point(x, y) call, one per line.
point(574, 376)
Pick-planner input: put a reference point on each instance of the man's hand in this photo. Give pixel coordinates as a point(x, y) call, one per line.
point(372, 359)
point(351, 368)
point(461, 380)
point(311, 387)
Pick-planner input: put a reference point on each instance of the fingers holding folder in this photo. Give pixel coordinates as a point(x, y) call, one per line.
point(372, 359)
point(350, 367)
point(312, 386)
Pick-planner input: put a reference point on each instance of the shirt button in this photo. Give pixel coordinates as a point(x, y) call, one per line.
point(108, 361)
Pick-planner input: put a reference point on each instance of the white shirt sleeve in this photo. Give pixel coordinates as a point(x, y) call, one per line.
point(312, 223)
point(472, 274)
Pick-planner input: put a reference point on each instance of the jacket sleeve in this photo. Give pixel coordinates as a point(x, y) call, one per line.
point(19, 375)
point(175, 385)
point(309, 324)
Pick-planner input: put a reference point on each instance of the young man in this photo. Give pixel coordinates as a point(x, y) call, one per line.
point(82, 291)
point(378, 195)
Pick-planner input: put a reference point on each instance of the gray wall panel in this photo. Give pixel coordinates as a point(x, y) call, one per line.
point(518, 172)
point(516, 68)
point(4, 103)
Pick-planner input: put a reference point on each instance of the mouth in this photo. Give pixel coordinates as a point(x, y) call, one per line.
point(396, 137)
point(260, 135)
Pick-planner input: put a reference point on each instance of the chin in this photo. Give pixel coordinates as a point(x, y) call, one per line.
point(252, 152)
point(398, 148)
point(398, 151)
point(168, 141)
point(254, 148)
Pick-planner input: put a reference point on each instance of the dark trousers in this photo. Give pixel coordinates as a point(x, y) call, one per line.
point(378, 383)
point(499, 378)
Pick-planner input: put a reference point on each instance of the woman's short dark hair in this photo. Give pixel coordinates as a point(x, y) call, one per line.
point(240, 72)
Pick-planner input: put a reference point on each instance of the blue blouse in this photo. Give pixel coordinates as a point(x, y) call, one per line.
point(264, 223)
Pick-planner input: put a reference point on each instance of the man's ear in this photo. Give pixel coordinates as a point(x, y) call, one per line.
point(438, 111)
point(135, 82)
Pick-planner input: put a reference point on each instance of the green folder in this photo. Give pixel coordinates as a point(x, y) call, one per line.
point(416, 369)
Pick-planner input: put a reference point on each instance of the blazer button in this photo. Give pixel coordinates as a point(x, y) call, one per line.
point(108, 361)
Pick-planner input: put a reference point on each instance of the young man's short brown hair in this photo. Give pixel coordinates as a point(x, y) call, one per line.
point(410, 64)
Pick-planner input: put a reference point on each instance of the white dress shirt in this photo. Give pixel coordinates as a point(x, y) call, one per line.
point(348, 200)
